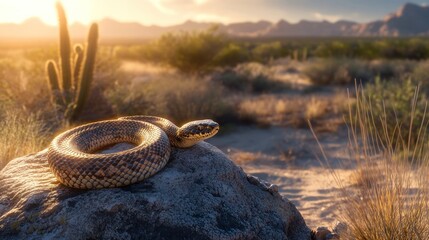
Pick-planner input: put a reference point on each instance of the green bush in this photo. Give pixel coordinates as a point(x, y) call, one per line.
point(265, 52)
point(405, 48)
point(398, 111)
point(420, 75)
point(231, 55)
point(189, 52)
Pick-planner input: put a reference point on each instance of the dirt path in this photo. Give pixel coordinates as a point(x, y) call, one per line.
point(287, 158)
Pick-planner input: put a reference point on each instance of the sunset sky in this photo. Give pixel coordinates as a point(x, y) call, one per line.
point(169, 12)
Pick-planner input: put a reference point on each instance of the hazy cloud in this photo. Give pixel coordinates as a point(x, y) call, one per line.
point(159, 4)
point(331, 18)
point(200, 2)
point(210, 18)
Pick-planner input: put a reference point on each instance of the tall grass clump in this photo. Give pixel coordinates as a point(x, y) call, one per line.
point(389, 199)
point(20, 134)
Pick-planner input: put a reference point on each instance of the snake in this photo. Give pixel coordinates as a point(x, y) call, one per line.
point(75, 159)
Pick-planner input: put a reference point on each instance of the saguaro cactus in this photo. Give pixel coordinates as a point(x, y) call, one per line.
point(69, 90)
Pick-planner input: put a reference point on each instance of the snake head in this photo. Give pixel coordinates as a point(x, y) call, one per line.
point(198, 130)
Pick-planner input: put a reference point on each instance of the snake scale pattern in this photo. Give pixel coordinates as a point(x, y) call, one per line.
point(74, 160)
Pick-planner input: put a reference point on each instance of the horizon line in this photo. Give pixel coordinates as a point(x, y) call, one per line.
point(180, 23)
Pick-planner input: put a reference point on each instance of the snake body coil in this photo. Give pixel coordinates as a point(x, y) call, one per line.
point(73, 159)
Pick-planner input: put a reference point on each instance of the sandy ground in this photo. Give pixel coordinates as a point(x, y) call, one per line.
point(291, 159)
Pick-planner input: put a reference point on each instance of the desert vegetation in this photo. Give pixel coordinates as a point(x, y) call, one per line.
point(389, 198)
point(278, 83)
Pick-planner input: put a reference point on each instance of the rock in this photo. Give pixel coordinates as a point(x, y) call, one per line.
point(323, 233)
point(340, 228)
point(200, 194)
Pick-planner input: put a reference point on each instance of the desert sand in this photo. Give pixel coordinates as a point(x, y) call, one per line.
point(291, 159)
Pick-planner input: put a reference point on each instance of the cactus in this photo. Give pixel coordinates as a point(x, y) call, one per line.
point(64, 49)
point(295, 55)
point(88, 69)
point(304, 54)
point(69, 91)
point(78, 50)
point(52, 71)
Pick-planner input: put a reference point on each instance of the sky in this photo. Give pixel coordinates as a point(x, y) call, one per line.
point(170, 12)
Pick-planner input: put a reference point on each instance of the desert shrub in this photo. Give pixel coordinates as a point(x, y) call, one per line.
point(325, 113)
point(231, 55)
point(344, 71)
point(326, 72)
point(390, 198)
point(406, 48)
point(192, 100)
point(333, 49)
point(129, 98)
point(388, 69)
point(393, 102)
point(180, 100)
point(420, 75)
point(249, 77)
point(264, 52)
point(336, 71)
point(133, 52)
point(413, 48)
point(189, 52)
point(358, 70)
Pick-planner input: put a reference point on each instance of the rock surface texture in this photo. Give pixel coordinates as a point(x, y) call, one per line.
point(200, 194)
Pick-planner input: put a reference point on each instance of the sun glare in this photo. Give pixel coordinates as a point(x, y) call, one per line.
point(17, 11)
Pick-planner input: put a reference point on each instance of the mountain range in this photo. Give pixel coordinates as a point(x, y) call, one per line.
point(409, 20)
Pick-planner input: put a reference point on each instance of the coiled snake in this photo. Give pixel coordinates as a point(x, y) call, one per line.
point(73, 159)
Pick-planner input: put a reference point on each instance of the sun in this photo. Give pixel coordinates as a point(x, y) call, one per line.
point(17, 11)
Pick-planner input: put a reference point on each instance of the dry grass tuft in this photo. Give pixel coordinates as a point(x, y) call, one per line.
point(324, 112)
point(390, 198)
point(179, 99)
point(20, 135)
point(316, 108)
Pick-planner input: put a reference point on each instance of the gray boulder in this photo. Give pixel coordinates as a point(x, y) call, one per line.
point(200, 194)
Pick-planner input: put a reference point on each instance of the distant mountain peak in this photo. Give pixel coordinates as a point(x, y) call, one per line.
point(408, 10)
point(409, 20)
point(33, 21)
point(109, 20)
point(282, 21)
point(411, 7)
